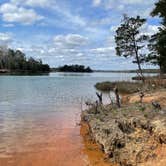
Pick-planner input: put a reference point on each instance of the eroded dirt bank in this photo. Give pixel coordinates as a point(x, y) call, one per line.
point(94, 152)
point(132, 135)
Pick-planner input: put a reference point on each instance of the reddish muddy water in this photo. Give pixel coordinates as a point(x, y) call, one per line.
point(59, 143)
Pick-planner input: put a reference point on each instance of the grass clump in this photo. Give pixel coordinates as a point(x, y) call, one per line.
point(128, 87)
point(123, 86)
point(105, 86)
point(142, 108)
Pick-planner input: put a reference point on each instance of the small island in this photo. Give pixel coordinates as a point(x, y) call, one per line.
point(74, 68)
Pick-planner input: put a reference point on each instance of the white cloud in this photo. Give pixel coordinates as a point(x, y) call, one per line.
point(34, 3)
point(102, 50)
point(117, 3)
point(96, 2)
point(8, 25)
point(70, 18)
point(5, 38)
point(70, 41)
point(149, 29)
point(68, 47)
point(13, 13)
point(132, 7)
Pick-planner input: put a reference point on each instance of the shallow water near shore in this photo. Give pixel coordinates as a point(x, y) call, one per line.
point(39, 117)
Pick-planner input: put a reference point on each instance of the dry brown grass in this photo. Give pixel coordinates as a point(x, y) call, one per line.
point(156, 83)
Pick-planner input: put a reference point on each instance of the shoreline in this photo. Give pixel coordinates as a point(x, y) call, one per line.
point(93, 150)
point(132, 135)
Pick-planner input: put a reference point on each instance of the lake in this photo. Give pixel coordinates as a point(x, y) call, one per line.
point(39, 117)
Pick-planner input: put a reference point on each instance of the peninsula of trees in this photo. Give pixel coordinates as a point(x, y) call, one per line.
point(74, 68)
point(16, 61)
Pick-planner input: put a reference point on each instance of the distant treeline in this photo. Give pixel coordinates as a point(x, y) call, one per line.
point(73, 68)
point(11, 60)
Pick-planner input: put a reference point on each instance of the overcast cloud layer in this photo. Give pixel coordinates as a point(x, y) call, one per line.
point(71, 31)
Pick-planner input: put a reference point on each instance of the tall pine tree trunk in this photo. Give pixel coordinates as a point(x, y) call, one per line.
point(140, 69)
point(138, 61)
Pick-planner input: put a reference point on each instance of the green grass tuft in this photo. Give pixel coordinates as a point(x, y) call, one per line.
point(124, 87)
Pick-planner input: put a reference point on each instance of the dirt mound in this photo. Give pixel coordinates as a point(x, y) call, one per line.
point(159, 96)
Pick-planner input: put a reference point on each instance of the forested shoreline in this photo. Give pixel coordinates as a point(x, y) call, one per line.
point(16, 61)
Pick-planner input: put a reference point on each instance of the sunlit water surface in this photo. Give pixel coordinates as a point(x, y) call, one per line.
point(39, 116)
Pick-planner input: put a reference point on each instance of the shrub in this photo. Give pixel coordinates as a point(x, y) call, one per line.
point(124, 86)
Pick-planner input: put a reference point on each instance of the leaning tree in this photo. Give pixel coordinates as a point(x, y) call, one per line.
point(131, 42)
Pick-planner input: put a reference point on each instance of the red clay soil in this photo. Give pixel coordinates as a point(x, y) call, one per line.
point(95, 156)
point(159, 96)
point(161, 157)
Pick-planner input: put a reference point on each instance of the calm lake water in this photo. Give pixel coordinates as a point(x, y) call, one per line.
point(38, 116)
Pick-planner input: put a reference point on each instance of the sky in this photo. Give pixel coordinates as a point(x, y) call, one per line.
point(71, 31)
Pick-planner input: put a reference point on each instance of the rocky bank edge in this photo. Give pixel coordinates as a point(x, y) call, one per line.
point(130, 135)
